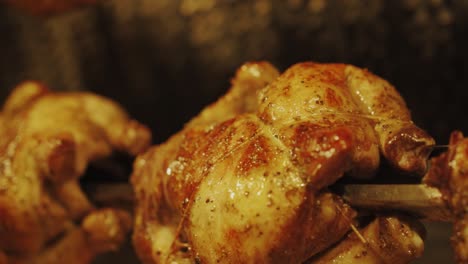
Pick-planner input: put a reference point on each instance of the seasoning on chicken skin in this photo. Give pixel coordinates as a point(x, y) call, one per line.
point(246, 182)
point(46, 142)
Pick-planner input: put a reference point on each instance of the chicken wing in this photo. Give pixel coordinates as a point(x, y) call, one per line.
point(245, 181)
point(46, 142)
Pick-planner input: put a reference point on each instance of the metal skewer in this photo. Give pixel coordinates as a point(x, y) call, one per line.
point(417, 199)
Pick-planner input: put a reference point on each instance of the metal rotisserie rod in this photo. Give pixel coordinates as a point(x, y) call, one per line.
point(417, 199)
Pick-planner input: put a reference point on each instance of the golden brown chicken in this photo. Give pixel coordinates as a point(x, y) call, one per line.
point(46, 142)
point(245, 181)
point(449, 173)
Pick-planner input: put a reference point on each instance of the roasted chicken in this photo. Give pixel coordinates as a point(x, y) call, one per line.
point(246, 180)
point(47, 141)
point(449, 173)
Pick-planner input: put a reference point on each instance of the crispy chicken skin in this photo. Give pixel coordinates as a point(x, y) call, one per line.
point(449, 173)
point(245, 181)
point(46, 142)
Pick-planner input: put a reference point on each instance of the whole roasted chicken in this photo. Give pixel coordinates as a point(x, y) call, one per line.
point(47, 141)
point(246, 180)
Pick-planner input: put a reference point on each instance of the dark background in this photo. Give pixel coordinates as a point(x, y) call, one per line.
point(163, 60)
